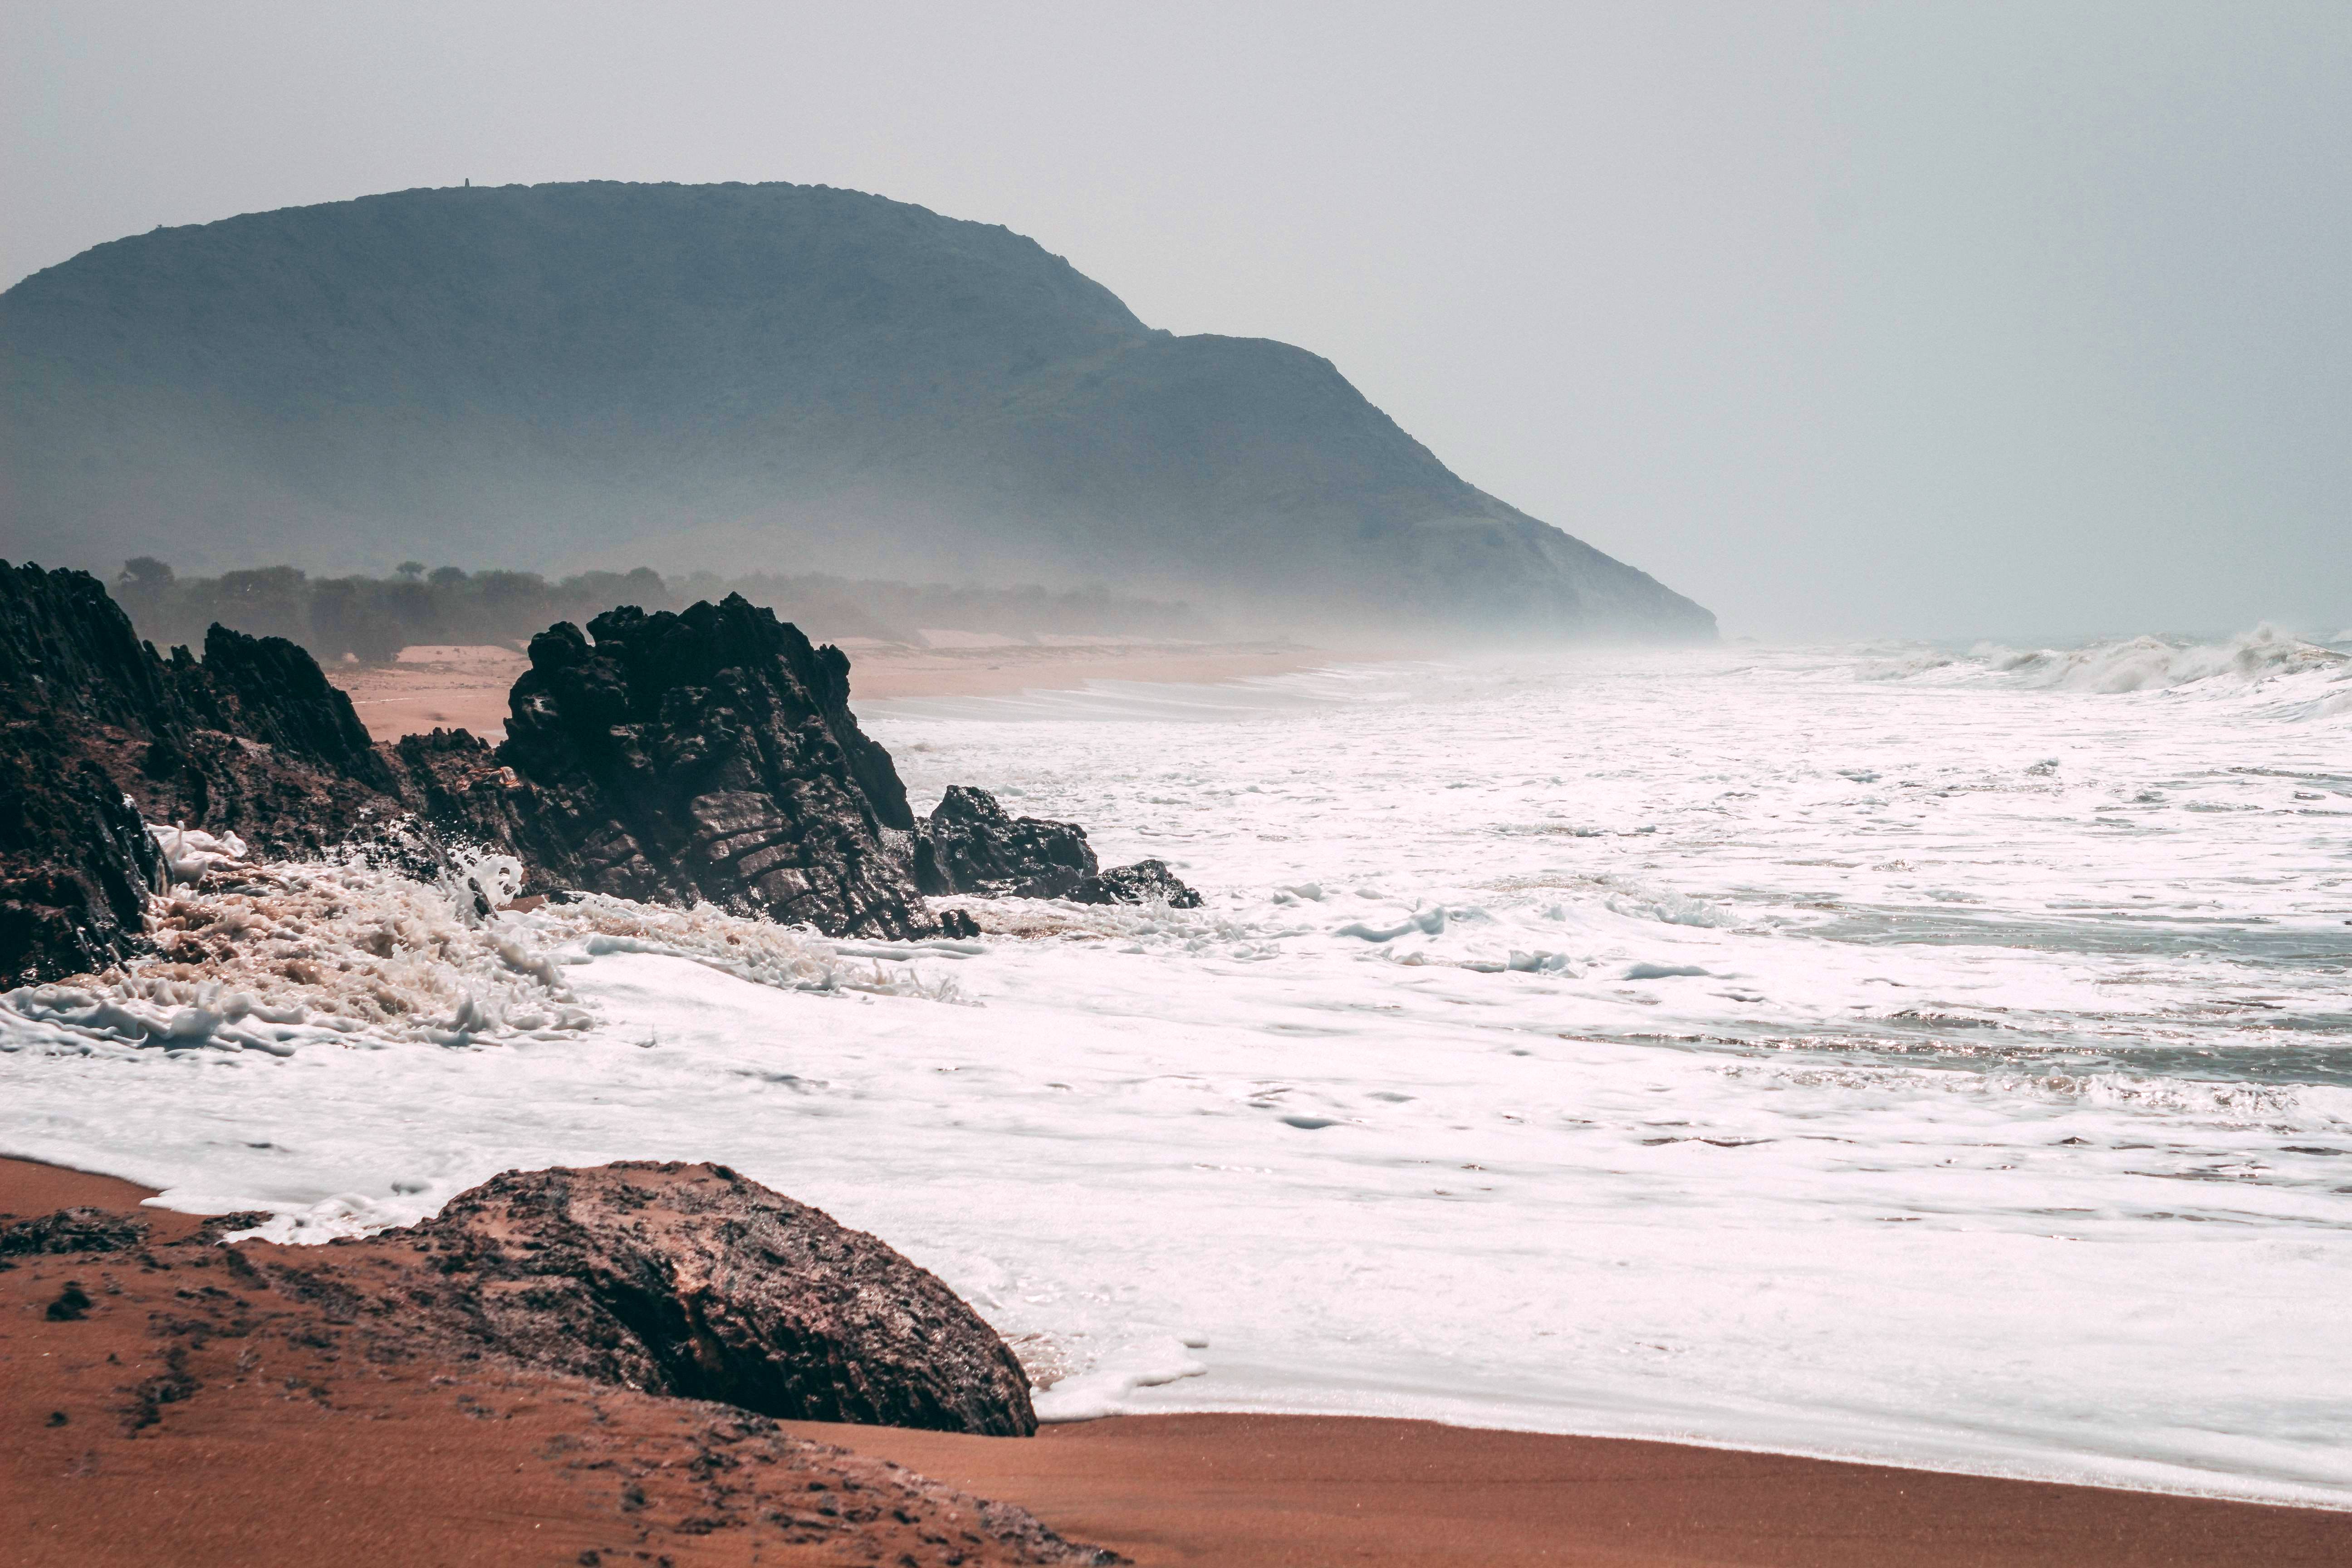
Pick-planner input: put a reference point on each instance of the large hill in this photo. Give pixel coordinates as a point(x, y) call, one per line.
point(739, 377)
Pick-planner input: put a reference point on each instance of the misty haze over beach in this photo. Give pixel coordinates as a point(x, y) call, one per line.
point(1376, 726)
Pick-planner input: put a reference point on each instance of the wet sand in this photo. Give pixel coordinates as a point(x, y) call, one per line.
point(1295, 1491)
point(271, 1445)
point(453, 687)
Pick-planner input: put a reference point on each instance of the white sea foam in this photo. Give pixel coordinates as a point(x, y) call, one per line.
point(1945, 1068)
point(347, 952)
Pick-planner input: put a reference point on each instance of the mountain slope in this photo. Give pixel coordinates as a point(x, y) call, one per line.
point(734, 376)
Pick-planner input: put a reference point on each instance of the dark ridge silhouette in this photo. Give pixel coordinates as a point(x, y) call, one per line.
point(732, 378)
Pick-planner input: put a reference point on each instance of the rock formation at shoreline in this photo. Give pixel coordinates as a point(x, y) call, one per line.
point(602, 1355)
point(970, 844)
point(738, 378)
point(97, 731)
point(674, 758)
point(711, 755)
point(690, 1280)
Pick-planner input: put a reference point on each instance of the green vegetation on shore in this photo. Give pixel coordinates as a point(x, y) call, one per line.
point(370, 619)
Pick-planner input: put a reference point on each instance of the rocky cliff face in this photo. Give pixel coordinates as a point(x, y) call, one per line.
point(742, 377)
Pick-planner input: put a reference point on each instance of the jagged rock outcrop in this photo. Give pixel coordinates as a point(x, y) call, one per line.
point(98, 731)
point(712, 755)
point(691, 1280)
point(271, 690)
point(76, 863)
point(970, 844)
point(708, 756)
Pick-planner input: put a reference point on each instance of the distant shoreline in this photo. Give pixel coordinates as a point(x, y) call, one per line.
point(465, 688)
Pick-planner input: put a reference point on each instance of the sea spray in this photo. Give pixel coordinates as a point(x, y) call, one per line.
point(352, 950)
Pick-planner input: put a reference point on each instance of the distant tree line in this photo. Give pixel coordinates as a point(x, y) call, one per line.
point(370, 619)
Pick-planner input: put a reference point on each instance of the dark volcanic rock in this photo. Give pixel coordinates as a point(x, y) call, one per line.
point(1141, 883)
point(971, 845)
point(457, 787)
point(76, 863)
point(689, 1281)
point(271, 690)
point(709, 755)
point(98, 731)
point(712, 755)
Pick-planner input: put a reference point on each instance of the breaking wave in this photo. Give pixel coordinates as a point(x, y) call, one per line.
point(350, 952)
point(2147, 664)
point(2303, 679)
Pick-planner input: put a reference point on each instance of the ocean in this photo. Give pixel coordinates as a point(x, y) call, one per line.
point(1942, 1056)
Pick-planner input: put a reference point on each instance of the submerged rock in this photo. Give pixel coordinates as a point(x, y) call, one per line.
point(970, 844)
point(1141, 883)
point(690, 1280)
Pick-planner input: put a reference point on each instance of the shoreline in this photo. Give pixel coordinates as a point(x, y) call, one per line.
point(1258, 1491)
point(454, 686)
point(1240, 1489)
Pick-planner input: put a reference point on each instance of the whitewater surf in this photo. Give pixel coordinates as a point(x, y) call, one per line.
point(1915, 1053)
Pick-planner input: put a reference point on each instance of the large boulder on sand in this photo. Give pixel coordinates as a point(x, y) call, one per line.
point(690, 1280)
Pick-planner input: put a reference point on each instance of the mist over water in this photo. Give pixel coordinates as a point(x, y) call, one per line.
point(1891, 1051)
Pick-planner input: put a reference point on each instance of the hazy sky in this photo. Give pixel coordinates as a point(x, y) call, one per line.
point(1932, 319)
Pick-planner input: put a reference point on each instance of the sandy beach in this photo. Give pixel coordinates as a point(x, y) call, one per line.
point(441, 686)
point(1288, 1491)
point(178, 1418)
point(434, 687)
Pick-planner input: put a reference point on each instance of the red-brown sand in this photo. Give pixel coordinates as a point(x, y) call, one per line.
point(177, 1406)
point(434, 687)
point(1299, 1491)
point(291, 1454)
point(453, 687)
